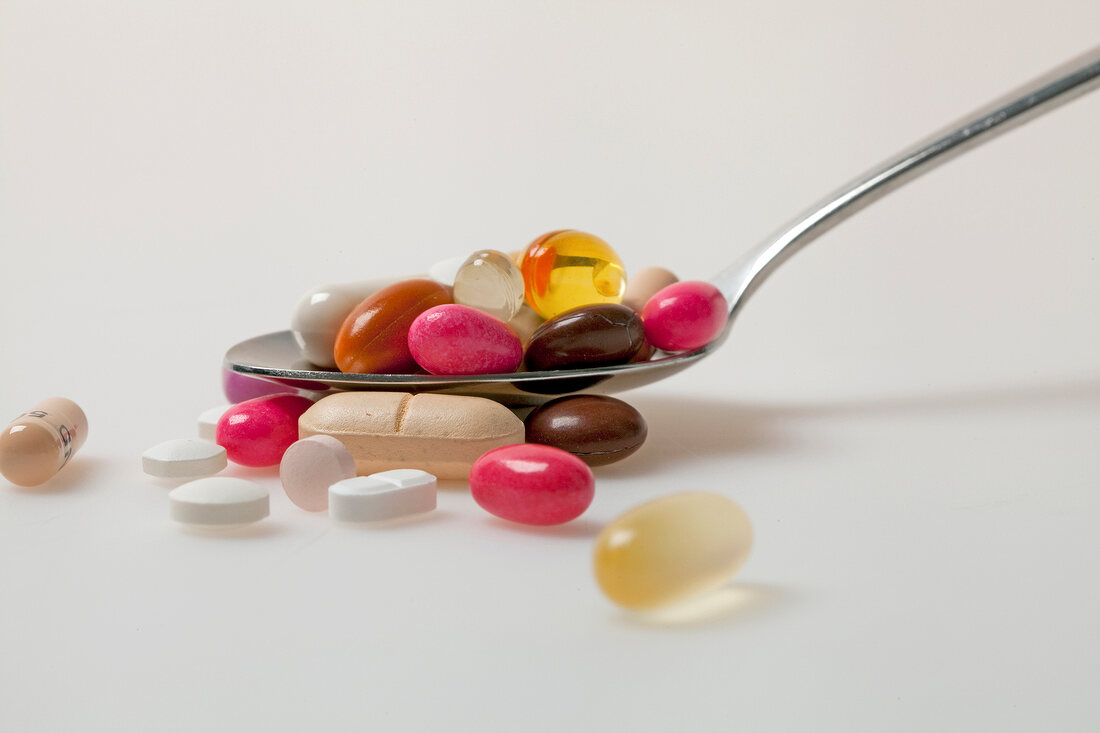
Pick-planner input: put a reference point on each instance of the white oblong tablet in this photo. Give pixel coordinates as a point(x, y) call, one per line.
point(183, 458)
point(208, 422)
point(219, 501)
point(384, 495)
point(310, 466)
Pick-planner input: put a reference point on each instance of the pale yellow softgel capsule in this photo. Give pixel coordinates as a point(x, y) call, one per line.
point(672, 548)
point(491, 282)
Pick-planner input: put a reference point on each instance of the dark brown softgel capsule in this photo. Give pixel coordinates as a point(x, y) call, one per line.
point(586, 336)
point(598, 430)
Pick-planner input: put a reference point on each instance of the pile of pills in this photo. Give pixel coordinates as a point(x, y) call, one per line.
point(562, 303)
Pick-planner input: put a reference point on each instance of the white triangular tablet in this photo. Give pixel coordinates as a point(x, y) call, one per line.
point(184, 458)
point(208, 422)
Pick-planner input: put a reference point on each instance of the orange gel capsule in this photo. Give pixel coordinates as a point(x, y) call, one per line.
point(374, 338)
point(38, 444)
point(566, 269)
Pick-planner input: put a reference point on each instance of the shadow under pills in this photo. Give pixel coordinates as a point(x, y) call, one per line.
point(685, 428)
point(75, 474)
point(732, 603)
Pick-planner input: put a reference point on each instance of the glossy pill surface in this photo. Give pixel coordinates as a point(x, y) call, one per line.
point(183, 458)
point(490, 281)
point(440, 434)
point(594, 334)
point(685, 316)
point(320, 312)
point(257, 432)
point(597, 429)
point(374, 338)
point(671, 548)
point(208, 422)
point(239, 388)
point(644, 284)
point(40, 442)
point(532, 484)
point(566, 269)
point(458, 339)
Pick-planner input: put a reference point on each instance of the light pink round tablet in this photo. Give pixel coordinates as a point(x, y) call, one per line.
point(312, 465)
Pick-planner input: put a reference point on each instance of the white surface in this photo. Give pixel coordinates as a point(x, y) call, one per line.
point(385, 495)
point(218, 501)
point(909, 411)
point(208, 422)
point(183, 458)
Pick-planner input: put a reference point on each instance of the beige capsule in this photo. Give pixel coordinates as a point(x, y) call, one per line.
point(440, 434)
point(671, 548)
point(38, 443)
point(320, 313)
point(644, 284)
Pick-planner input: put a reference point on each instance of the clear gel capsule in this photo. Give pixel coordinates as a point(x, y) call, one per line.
point(491, 282)
point(39, 443)
point(671, 548)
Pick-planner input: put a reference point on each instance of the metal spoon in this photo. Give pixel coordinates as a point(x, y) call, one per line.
point(275, 356)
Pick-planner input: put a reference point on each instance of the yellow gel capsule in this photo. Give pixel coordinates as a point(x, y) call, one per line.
point(566, 269)
point(671, 548)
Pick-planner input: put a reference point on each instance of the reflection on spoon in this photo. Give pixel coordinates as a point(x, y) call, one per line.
point(275, 356)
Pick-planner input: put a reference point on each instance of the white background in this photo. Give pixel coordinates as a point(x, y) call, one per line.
point(909, 411)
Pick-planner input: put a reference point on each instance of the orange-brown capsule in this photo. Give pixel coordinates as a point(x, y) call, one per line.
point(374, 338)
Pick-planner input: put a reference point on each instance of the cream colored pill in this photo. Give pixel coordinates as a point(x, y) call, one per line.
point(385, 495)
point(445, 270)
point(310, 466)
point(644, 284)
point(184, 458)
point(208, 421)
point(525, 323)
point(440, 434)
point(671, 548)
point(219, 501)
point(320, 313)
point(38, 444)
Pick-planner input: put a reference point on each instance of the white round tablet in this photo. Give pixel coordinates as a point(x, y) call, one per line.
point(310, 466)
point(219, 501)
point(384, 495)
point(208, 422)
point(183, 458)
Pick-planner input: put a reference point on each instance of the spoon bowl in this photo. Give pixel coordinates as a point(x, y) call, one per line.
point(275, 356)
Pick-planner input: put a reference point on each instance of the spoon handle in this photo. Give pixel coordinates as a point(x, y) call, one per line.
point(1053, 89)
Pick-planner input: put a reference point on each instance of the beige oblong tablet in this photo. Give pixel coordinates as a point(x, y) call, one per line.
point(440, 434)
